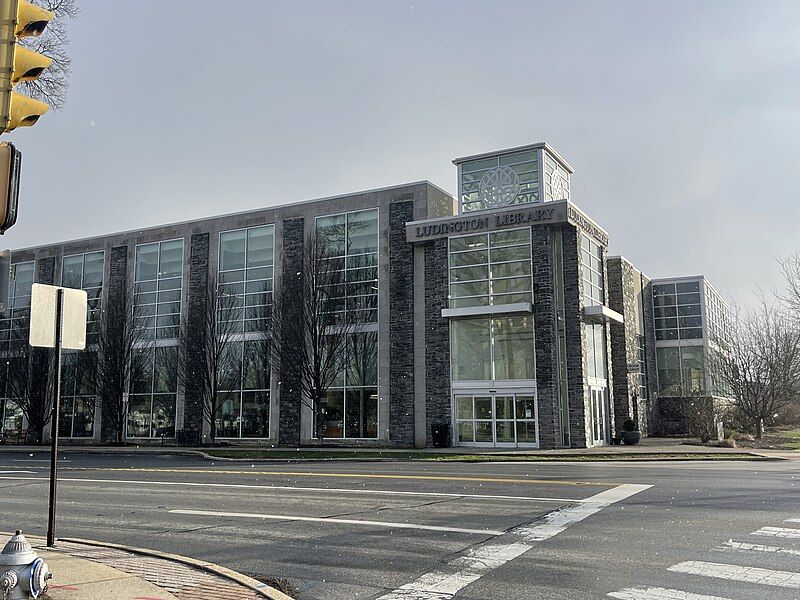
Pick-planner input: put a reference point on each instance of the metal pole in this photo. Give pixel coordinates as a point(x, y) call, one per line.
point(51, 522)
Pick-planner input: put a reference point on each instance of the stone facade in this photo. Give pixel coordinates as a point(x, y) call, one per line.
point(438, 409)
point(290, 394)
point(197, 329)
point(401, 326)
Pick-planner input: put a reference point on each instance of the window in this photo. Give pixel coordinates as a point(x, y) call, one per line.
point(244, 398)
point(77, 394)
point(525, 164)
point(592, 270)
point(681, 371)
point(85, 272)
point(490, 269)
point(642, 367)
point(246, 271)
point(157, 291)
point(14, 322)
point(350, 406)
point(677, 311)
point(154, 384)
point(350, 242)
point(498, 348)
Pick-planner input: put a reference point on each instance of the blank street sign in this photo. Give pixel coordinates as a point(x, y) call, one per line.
point(43, 317)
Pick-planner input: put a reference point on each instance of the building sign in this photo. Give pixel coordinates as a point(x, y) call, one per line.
point(532, 214)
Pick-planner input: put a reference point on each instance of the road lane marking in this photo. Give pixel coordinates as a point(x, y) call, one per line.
point(786, 579)
point(745, 547)
point(15, 472)
point(214, 513)
point(349, 475)
point(793, 520)
point(781, 532)
point(290, 488)
point(655, 593)
point(478, 561)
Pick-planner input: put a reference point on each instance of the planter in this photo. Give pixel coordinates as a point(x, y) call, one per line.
point(616, 441)
point(630, 438)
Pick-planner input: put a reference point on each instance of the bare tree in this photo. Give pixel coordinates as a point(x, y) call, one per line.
point(310, 329)
point(790, 266)
point(211, 353)
point(28, 373)
point(51, 86)
point(761, 368)
point(121, 359)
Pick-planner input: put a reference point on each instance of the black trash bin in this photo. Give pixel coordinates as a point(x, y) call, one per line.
point(441, 435)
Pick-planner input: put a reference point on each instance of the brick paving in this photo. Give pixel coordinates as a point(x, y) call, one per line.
point(183, 581)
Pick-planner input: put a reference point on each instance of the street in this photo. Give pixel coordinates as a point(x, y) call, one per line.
point(394, 530)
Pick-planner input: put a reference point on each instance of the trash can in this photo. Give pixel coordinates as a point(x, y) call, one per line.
point(440, 433)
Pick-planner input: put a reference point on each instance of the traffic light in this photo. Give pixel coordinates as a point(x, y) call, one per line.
point(18, 19)
point(10, 165)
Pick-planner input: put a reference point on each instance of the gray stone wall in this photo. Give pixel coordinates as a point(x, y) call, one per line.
point(624, 342)
point(437, 338)
point(47, 270)
point(647, 403)
point(576, 353)
point(290, 393)
point(545, 332)
point(401, 326)
point(115, 299)
point(196, 330)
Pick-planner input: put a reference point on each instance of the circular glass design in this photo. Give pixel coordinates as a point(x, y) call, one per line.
point(499, 186)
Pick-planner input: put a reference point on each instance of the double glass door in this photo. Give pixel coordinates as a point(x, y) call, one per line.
point(599, 404)
point(495, 419)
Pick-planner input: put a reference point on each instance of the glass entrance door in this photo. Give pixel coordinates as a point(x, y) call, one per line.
point(505, 419)
point(599, 415)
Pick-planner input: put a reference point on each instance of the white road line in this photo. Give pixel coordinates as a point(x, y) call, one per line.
point(213, 513)
point(745, 547)
point(793, 520)
point(780, 532)
point(35, 460)
point(786, 579)
point(654, 593)
point(15, 472)
point(301, 489)
point(478, 561)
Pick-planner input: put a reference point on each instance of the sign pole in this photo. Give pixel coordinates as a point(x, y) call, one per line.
point(51, 522)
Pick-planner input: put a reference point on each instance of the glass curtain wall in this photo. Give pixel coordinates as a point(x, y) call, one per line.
point(14, 324)
point(593, 294)
point(492, 348)
point(350, 242)
point(82, 271)
point(681, 371)
point(245, 300)
point(157, 290)
point(526, 166)
point(154, 386)
point(677, 311)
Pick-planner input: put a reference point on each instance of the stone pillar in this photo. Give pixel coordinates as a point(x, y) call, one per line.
point(437, 338)
point(197, 307)
point(291, 290)
point(545, 335)
point(116, 300)
point(401, 326)
point(576, 363)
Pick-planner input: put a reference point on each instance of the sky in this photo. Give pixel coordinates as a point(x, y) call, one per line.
point(680, 118)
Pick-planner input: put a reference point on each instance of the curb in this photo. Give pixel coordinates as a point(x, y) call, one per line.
point(258, 587)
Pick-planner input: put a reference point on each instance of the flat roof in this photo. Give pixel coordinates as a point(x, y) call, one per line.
point(536, 146)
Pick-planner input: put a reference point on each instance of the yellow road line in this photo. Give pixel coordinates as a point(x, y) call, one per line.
point(348, 475)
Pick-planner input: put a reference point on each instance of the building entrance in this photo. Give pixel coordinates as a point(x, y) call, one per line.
point(496, 419)
point(599, 407)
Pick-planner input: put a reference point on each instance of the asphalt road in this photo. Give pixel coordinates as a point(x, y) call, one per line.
point(392, 530)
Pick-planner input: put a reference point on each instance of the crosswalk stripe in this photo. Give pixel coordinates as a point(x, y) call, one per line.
point(745, 547)
point(655, 593)
point(793, 520)
point(786, 579)
point(781, 532)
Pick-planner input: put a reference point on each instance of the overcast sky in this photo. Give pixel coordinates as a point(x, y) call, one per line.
point(680, 118)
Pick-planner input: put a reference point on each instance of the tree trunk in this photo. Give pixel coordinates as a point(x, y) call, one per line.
point(759, 428)
point(213, 429)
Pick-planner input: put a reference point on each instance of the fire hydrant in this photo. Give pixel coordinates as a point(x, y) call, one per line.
point(26, 575)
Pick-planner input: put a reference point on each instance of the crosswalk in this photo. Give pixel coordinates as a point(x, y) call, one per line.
point(728, 564)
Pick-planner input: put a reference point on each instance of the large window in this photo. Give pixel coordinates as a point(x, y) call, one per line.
point(15, 320)
point(593, 295)
point(154, 384)
point(77, 395)
point(350, 407)
point(677, 311)
point(523, 163)
point(642, 366)
point(85, 272)
point(244, 390)
point(158, 284)
point(350, 242)
point(246, 271)
point(490, 269)
point(681, 371)
point(496, 348)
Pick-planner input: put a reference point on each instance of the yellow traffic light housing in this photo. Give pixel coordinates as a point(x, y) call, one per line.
point(18, 19)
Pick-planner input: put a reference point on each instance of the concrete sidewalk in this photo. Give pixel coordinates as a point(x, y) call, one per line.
point(88, 570)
